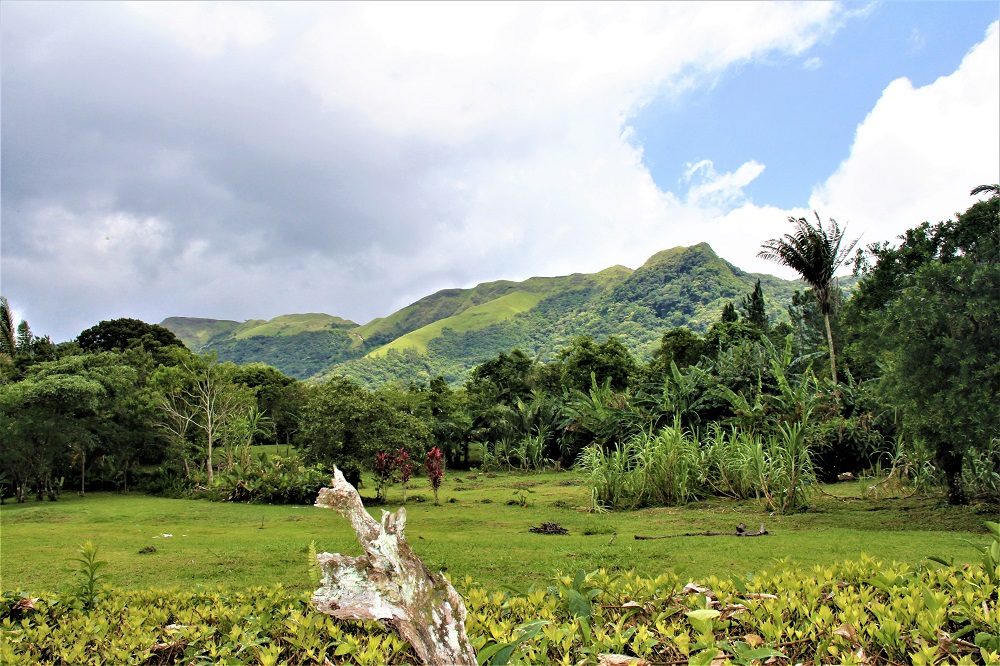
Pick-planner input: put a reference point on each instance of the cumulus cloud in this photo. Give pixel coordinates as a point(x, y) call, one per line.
point(921, 149)
point(914, 158)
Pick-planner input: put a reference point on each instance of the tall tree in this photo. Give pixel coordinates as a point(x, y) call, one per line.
point(927, 313)
point(815, 253)
point(752, 306)
point(203, 399)
point(8, 336)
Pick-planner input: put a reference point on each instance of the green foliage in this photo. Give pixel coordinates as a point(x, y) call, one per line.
point(650, 469)
point(88, 571)
point(889, 612)
point(267, 479)
point(64, 410)
point(927, 314)
point(585, 361)
point(752, 307)
point(343, 423)
point(124, 333)
point(300, 355)
point(671, 467)
point(450, 332)
point(678, 346)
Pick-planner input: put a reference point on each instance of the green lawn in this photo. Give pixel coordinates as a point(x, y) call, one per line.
point(474, 532)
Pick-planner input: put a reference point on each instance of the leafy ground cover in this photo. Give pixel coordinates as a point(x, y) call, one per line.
point(861, 612)
point(480, 530)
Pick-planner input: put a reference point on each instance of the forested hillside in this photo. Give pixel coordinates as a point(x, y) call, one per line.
point(450, 332)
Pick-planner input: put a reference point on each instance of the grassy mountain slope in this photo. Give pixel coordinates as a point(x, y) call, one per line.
point(292, 324)
point(451, 331)
point(196, 332)
point(298, 344)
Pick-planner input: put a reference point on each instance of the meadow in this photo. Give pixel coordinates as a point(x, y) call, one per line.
point(480, 530)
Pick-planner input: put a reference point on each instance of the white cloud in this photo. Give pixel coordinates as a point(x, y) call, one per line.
point(713, 190)
point(914, 158)
point(920, 150)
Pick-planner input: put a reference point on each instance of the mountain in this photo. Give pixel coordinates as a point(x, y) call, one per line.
point(451, 331)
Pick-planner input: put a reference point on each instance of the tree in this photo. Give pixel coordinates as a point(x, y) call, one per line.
point(729, 315)
point(202, 398)
point(279, 398)
point(124, 333)
point(8, 336)
point(815, 253)
point(58, 413)
point(752, 306)
point(585, 359)
point(929, 316)
point(344, 424)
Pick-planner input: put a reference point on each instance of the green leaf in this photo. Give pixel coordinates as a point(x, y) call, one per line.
point(578, 605)
point(704, 614)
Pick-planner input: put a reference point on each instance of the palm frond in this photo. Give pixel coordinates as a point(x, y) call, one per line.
point(992, 190)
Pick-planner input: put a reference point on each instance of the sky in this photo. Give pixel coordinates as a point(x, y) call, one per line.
point(242, 161)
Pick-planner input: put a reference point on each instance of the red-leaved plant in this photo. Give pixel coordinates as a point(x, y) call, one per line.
point(404, 468)
point(384, 468)
point(434, 464)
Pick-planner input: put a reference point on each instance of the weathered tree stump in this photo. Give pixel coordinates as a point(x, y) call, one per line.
point(389, 583)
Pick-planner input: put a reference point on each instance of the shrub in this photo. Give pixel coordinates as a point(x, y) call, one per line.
point(270, 479)
point(434, 465)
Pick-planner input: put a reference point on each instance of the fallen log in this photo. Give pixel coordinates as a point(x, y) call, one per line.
point(740, 532)
point(389, 583)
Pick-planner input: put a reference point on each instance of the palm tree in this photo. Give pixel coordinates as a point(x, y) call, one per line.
point(815, 253)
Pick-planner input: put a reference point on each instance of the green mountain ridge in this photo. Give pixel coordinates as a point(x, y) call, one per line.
point(451, 331)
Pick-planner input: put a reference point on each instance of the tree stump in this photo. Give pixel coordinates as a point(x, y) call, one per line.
point(389, 583)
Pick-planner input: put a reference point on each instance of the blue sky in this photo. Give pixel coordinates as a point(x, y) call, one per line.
point(798, 114)
point(246, 160)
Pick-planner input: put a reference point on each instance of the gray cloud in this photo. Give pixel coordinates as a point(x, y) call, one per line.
point(244, 161)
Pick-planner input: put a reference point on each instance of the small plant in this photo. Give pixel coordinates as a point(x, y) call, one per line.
point(405, 469)
point(88, 571)
point(991, 554)
point(315, 573)
point(385, 467)
point(434, 464)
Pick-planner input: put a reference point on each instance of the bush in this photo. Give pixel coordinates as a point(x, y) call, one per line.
point(270, 479)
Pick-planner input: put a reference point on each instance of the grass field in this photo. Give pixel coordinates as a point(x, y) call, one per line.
point(474, 532)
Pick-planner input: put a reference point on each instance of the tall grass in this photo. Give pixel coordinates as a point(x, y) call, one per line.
point(734, 461)
point(661, 468)
point(788, 472)
point(670, 467)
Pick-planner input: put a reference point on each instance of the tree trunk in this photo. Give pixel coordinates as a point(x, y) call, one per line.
point(208, 463)
point(833, 354)
point(389, 583)
point(83, 472)
point(950, 462)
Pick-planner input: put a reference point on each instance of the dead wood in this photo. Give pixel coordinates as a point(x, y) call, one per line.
point(740, 532)
point(389, 583)
point(549, 528)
